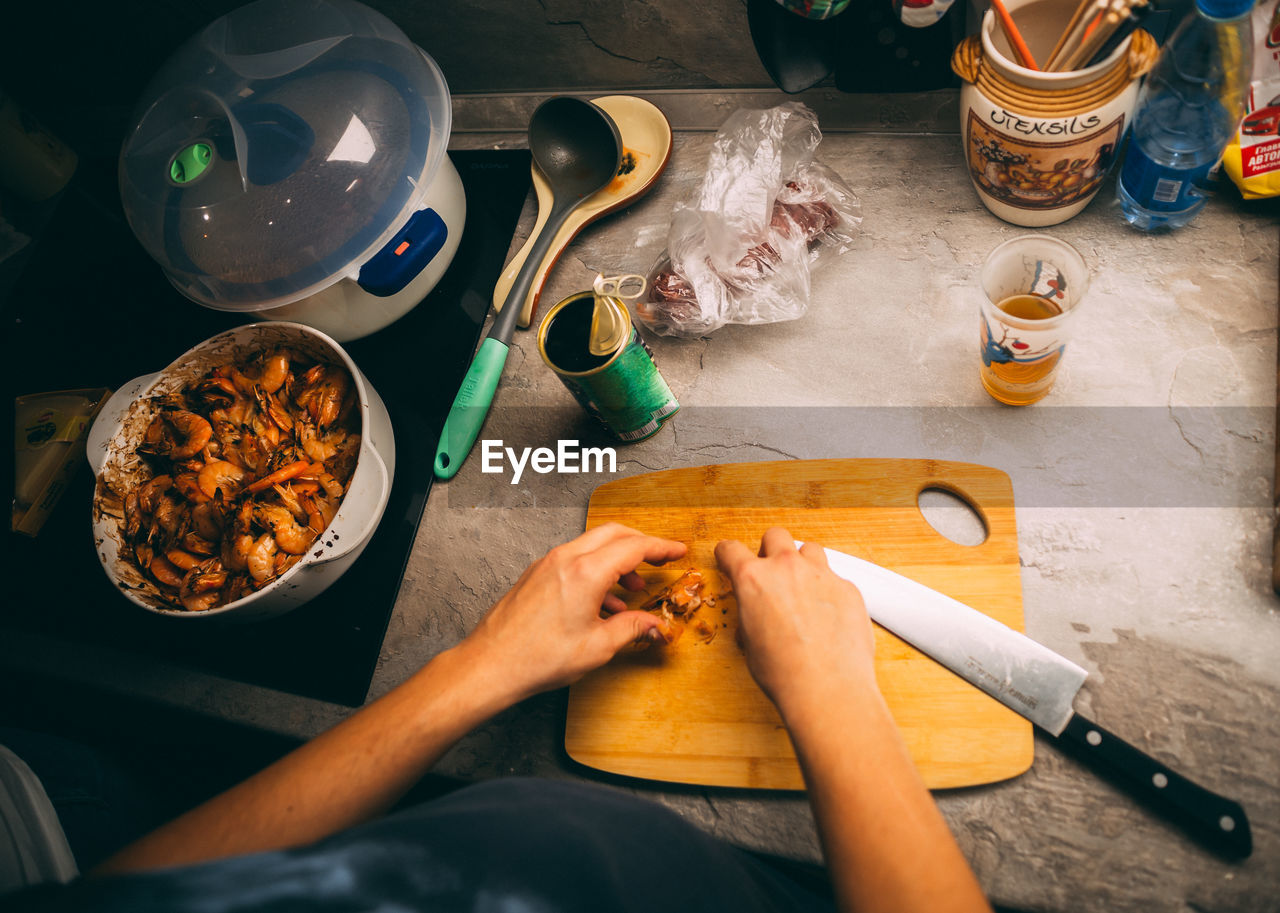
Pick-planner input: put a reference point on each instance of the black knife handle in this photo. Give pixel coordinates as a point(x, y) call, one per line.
point(1217, 822)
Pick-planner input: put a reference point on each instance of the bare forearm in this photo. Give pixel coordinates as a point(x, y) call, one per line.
point(888, 847)
point(347, 775)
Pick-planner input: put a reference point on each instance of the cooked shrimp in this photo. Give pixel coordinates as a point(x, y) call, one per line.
point(132, 515)
point(275, 370)
point(253, 456)
point(266, 430)
point(223, 476)
point(261, 558)
point(188, 435)
point(180, 559)
point(177, 434)
point(273, 410)
point(163, 571)
point(188, 485)
point(284, 561)
point(216, 392)
point(194, 464)
point(682, 597)
point(268, 372)
point(319, 447)
point(237, 586)
point(244, 517)
point(206, 521)
point(320, 511)
point(289, 536)
point(343, 463)
point(145, 554)
point(238, 413)
point(291, 500)
point(235, 551)
point(324, 393)
point(170, 515)
point(149, 494)
point(332, 487)
point(199, 589)
point(199, 545)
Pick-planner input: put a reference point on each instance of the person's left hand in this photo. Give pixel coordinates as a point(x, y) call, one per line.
point(547, 631)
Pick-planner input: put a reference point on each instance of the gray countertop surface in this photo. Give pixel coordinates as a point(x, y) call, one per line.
point(1143, 486)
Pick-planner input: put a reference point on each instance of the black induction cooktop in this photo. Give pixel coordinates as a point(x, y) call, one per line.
point(91, 309)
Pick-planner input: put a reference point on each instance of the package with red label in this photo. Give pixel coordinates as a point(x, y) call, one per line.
point(1252, 159)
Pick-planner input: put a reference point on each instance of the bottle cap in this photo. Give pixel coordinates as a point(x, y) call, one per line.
point(1224, 9)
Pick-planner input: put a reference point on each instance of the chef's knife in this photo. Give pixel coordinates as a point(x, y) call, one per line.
point(1040, 685)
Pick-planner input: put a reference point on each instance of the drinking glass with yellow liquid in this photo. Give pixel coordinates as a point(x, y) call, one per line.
point(1032, 286)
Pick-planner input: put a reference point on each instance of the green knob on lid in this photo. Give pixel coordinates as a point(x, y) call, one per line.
point(190, 163)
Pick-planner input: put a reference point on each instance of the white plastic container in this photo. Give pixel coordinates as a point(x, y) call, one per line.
point(291, 160)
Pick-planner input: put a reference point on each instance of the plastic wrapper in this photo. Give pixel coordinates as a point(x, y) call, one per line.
point(765, 216)
point(49, 435)
point(1252, 158)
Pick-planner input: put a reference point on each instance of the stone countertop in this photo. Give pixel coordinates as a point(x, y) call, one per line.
point(1143, 485)
point(1143, 488)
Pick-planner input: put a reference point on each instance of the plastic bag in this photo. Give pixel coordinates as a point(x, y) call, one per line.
point(1252, 158)
point(765, 215)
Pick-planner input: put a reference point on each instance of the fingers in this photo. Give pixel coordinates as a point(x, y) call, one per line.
point(599, 536)
point(626, 628)
point(731, 555)
point(814, 553)
point(632, 581)
point(620, 556)
point(775, 541)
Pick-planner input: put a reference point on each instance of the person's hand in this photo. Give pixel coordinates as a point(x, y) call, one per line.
point(547, 631)
point(804, 631)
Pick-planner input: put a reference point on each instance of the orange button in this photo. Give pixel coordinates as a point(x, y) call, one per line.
point(404, 246)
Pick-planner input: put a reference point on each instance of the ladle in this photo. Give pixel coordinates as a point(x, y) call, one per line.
point(578, 149)
point(646, 149)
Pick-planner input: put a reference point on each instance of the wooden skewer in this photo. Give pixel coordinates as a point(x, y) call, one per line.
point(1071, 24)
point(1088, 29)
point(1137, 12)
point(1015, 37)
point(1110, 22)
point(1075, 33)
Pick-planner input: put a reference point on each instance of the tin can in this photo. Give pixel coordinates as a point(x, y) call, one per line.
point(622, 389)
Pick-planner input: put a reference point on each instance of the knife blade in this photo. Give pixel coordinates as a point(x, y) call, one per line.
point(1040, 685)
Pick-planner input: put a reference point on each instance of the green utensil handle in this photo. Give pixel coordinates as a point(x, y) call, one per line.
point(470, 406)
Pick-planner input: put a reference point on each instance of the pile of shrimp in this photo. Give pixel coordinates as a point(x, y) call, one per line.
point(676, 604)
point(249, 465)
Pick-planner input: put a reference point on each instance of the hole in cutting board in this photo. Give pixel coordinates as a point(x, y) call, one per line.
point(952, 517)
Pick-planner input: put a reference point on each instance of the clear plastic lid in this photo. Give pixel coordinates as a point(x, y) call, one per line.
point(280, 148)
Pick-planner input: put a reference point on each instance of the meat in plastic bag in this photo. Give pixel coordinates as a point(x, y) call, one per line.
point(765, 215)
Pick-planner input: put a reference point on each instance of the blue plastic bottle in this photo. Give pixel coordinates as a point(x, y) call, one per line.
point(1189, 109)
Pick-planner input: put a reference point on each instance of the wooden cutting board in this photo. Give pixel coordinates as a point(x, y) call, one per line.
point(691, 713)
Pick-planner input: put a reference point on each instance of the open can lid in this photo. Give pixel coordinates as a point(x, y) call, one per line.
point(279, 148)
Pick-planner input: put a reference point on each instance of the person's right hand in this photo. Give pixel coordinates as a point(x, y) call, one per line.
point(547, 630)
point(804, 631)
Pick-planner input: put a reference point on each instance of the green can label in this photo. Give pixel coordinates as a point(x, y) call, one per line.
point(623, 390)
